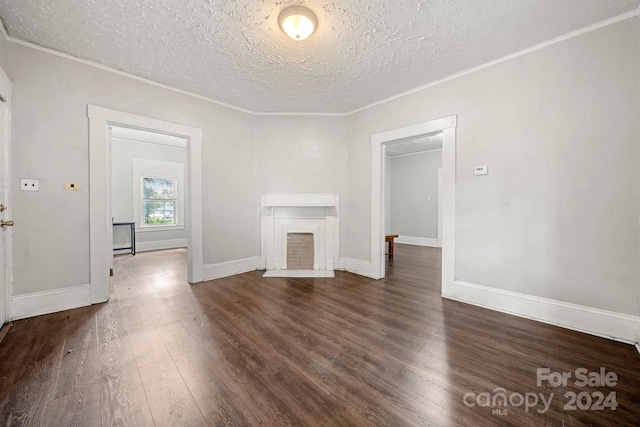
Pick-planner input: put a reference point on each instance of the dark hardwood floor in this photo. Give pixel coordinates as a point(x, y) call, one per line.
point(302, 352)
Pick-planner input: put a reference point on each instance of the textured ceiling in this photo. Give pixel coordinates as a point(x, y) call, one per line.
point(234, 52)
point(414, 145)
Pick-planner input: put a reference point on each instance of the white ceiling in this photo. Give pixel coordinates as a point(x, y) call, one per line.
point(234, 52)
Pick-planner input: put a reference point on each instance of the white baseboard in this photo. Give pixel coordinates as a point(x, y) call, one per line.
point(155, 245)
point(300, 273)
point(38, 303)
point(417, 241)
point(602, 323)
point(356, 266)
point(229, 268)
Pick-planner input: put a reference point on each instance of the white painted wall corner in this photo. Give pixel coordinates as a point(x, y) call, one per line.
point(37, 303)
point(356, 266)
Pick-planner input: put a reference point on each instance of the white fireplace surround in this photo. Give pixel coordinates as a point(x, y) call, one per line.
point(284, 226)
point(282, 214)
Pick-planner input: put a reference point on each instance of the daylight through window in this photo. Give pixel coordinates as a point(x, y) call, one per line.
point(159, 200)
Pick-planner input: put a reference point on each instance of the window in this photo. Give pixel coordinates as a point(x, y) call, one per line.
point(159, 200)
point(158, 195)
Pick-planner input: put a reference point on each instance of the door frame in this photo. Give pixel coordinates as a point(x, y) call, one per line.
point(100, 253)
point(447, 126)
point(5, 145)
point(439, 173)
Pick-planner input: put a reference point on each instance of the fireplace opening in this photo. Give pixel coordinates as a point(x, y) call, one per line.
point(300, 253)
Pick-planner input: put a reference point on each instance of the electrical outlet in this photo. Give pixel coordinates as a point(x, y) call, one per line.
point(72, 186)
point(29, 185)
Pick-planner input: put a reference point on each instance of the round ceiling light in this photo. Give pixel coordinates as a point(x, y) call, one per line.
point(298, 22)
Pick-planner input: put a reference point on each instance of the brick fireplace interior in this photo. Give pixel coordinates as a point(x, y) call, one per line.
point(300, 254)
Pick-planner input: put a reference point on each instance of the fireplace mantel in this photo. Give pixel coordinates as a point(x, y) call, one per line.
point(300, 200)
point(282, 214)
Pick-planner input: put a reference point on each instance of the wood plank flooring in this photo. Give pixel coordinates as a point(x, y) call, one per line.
point(349, 351)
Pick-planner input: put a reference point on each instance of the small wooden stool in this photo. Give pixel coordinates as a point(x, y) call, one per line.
point(389, 238)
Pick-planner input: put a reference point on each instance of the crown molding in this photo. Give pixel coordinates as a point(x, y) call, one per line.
point(302, 114)
point(602, 24)
point(124, 74)
point(3, 30)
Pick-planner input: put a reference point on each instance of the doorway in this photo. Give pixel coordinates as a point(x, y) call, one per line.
point(447, 127)
point(412, 191)
point(5, 200)
point(148, 190)
point(101, 123)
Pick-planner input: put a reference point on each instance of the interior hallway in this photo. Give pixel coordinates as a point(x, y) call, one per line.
point(245, 350)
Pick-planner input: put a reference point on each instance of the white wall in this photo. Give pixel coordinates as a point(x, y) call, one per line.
point(4, 49)
point(558, 214)
point(50, 143)
point(414, 194)
point(122, 154)
point(387, 194)
point(302, 154)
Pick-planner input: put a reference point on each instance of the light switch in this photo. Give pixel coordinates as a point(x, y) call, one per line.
point(481, 170)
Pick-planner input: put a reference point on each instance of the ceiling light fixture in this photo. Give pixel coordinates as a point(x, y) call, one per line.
point(298, 22)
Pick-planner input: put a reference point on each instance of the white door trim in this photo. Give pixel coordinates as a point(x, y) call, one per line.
point(447, 126)
point(439, 207)
point(100, 218)
point(5, 144)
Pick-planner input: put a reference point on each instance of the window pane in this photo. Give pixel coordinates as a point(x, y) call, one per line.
point(158, 188)
point(159, 212)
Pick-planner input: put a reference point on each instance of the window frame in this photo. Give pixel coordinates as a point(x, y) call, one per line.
point(175, 201)
point(158, 169)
